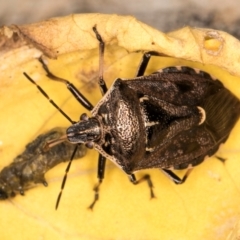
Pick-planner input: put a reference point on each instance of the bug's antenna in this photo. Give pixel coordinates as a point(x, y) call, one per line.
point(51, 144)
point(49, 99)
point(65, 177)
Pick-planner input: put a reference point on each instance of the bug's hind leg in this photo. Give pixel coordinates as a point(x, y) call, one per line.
point(172, 176)
point(147, 178)
point(101, 170)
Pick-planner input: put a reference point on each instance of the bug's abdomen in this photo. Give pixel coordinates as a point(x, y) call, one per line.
point(180, 136)
point(222, 113)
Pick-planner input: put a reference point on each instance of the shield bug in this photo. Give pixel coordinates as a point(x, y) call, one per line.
point(171, 119)
point(29, 167)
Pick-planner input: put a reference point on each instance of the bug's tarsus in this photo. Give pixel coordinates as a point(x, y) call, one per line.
point(96, 195)
point(147, 178)
point(49, 99)
point(101, 170)
point(172, 176)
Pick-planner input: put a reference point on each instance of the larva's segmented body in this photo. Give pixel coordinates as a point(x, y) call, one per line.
point(29, 167)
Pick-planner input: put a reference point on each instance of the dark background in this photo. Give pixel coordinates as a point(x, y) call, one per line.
point(164, 15)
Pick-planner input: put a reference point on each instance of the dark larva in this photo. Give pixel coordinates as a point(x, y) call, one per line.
point(29, 168)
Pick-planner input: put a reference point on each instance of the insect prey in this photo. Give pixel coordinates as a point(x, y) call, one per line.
point(29, 168)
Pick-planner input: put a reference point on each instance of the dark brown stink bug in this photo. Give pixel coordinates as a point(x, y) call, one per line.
point(170, 119)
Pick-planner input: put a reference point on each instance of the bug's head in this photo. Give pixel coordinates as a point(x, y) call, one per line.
point(86, 131)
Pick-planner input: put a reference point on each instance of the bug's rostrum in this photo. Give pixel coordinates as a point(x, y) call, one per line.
point(84, 131)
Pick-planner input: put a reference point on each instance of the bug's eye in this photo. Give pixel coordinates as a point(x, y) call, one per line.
point(84, 117)
point(89, 145)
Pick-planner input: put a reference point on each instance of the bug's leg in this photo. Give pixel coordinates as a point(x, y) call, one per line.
point(78, 95)
point(103, 89)
point(147, 178)
point(174, 177)
point(144, 62)
point(101, 82)
point(101, 170)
